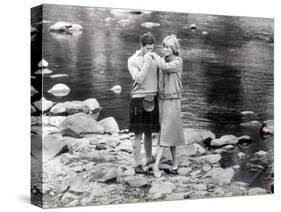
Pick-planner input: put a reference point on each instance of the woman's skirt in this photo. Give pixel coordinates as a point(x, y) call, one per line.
point(171, 133)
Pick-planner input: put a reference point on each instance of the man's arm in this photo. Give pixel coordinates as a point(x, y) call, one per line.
point(138, 75)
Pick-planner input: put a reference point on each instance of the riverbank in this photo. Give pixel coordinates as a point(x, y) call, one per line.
point(87, 161)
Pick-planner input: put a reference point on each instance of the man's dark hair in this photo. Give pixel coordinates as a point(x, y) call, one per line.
point(147, 39)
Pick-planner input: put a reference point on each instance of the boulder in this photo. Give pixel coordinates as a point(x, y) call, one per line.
point(79, 124)
point(200, 187)
point(160, 189)
point(261, 153)
point(54, 121)
point(52, 145)
point(33, 91)
point(268, 128)
point(248, 116)
point(193, 26)
point(149, 25)
point(103, 173)
point(199, 150)
point(32, 109)
point(43, 64)
point(70, 108)
point(43, 104)
point(257, 191)
point(93, 104)
point(65, 27)
point(43, 71)
point(251, 124)
point(116, 89)
point(110, 125)
point(125, 146)
point(220, 176)
point(136, 181)
point(213, 158)
point(197, 135)
point(224, 140)
point(59, 90)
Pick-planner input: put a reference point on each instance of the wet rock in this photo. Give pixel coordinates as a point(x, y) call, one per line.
point(149, 25)
point(224, 140)
point(199, 150)
point(58, 75)
point(248, 116)
point(94, 106)
point(53, 120)
point(65, 27)
point(228, 147)
point(33, 91)
point(104, 173)
point(97, 156)
point(257, 191)
point(136, 181)
point(59, 90)
point(52, 145)
point(193, 26)
point(220, 176)
point(79, 124)
point(160, 189)
point(212, 158)
point(268, 128)
point(245, 140)
point(116, 89)
point(43, 64)
point(184, 171)
point(241, 155)
point(252, 124)
point(197, 135)
point(261, 153)
point(110, 125)
point(70, 107)
point(43, 71)
point(43, 104)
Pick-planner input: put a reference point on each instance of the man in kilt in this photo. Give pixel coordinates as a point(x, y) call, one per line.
point(144, 112)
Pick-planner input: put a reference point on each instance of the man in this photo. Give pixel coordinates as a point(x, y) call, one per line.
point(144, 114)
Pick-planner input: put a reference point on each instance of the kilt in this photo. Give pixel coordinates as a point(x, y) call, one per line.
point(141, 120)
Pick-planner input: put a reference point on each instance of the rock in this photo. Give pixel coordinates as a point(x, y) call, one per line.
point(136, 181)
point(125, 146)
point(245, 140)
point(160, 189)
point(261, 153)
point(97, 156)
point(116, 89)
point(228, 147)
point(43, 64)
point(257, 191)
point(197, 135)
point(59, 90)
point(58, 75)
point(112, 142)
point(198, 194)
point(199, 149)
point(149, 25)
point(248, 116)
point(177, 196)
point(52, 145)
point(33, 91)
point(104, 173)
point(110, 125)
point(220, 176)
point(43, 71)
point(213, 158)
point(65, 27)
point(36, 120)
point(93, 105)
point(195, 174)
point(252, 124)
point(52, 120)
point(268, 128)
point(185, 164)
point(193, 26)
point(206, 168)
point(70, 108)
point(184, 171)
point(241, 155)
point(219, 151)
point(101, 146)
point(129, 171)
point(224, 140)
point(200, 187)
point(43, 104)
point(79, 124)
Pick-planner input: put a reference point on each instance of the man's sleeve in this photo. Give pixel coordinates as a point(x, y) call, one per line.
point(138, 74)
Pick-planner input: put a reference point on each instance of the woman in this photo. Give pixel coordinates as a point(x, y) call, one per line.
point(170, 94)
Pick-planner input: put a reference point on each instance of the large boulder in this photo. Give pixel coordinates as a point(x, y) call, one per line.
point(70, 108)
point(66, 27)
point(110, 125)
point(197, 135)
point(224, 140)
point(43, 104)
point(79, 124)
point(220, 176)
point(59, 90)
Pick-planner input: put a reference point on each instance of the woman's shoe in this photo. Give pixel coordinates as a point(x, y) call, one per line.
point(157, 172)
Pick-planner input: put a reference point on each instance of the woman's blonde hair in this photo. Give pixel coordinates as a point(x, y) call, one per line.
point(172, 42)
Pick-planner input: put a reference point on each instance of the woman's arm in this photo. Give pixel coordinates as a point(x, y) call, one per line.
point(170, 67)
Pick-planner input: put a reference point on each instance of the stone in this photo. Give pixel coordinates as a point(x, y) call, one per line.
point(53, 120)
point(93, 104)
point(268, 128)
point(257, 191)
point(79, 124)
point(220, 176)
point(197, 135)
point(261, 153)
point(149, 25)
point(196, 173)
point(32, 109)
point(136, 181)
point(245, 140)
point(205, 33)
point(200, 187)
point(193, 26)
point(129, 171)
point(33, 91)
point(116, 89)
point(70, 107)
point(52, 145)
point(59, 90)
point(185, 164)
point(103, 173)
point(212, 158)
point(184, 171)
point(100, 146)
point(62, 26)
point(206, 168)
point(125, 146)
point(97, 156)
point(228, 147)
point(110, 125)
point(43, 64)
point(53, 76)
point(177, 196)
point(251, 124)
point(112, 142)
point(198, 194)
point(199, 150)
point(43, 71)
point(241, 155)
point(43, 104)
point(160, 189)
point(224, 140)
point(248, 116)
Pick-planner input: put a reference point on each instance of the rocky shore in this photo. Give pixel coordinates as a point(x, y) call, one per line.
point(87, 161)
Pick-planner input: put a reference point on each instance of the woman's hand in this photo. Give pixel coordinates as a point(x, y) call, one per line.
point(148, 57)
